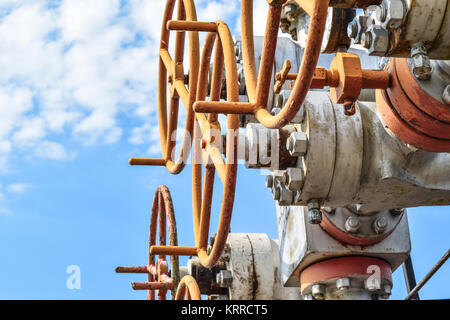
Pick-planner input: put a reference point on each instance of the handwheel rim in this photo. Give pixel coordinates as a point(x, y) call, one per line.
point(162, 216)
point(188, 289)
point(259, 89)
point(167, 125)
point(162, 213)
point(318, 12)
point(227, 170)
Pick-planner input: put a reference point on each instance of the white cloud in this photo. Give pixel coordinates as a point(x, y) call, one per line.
point(18, 187)
point(51, 150)
point(83, 69)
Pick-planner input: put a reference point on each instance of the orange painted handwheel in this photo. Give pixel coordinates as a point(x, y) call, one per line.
point(258, 87)
point(209, 151)
point(188, 289)
point(171, 70)
point(158, 272)
point(317, 9)
point(208, 145)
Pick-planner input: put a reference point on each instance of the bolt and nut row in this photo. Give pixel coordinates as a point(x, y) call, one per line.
point(318, 291)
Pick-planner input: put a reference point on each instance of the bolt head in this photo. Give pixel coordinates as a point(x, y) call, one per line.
point(446, 95)
point(394, 12)
point(352, 224)
point(378, 39)
point(297, 144)
point(314, 216)
point(294, 178)
point(343, 284)
point(224, 278)
point(286, 196)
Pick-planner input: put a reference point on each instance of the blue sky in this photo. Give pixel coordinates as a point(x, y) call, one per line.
point(77, 99)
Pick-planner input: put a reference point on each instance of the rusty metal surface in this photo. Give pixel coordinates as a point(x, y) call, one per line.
point(162, 219)
point(344, 267)
point(346, 79)
point(364, 236)
point(407, 120)
point(417, 95)
point(226, 169)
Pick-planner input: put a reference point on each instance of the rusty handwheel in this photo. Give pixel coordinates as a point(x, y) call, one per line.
point(171, 71)
point(159, 277)
point(188, 289)
point(258, 87)
point(208, 142)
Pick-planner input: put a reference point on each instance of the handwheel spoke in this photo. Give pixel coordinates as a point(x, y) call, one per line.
point(150, 286)
point(167, 61)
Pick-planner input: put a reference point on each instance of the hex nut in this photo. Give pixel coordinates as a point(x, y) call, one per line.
point(286, 196)
point(421, 64)
point(297, 144)
point(224, 278)
point(372, 284)
point(314, 216)
point(357, 28)
point(290, 11)
point(294, 178)
point(285, 25)
point(378, 39)
point(318, 291)
point(380, 225)
point(343, 284)
point(393, 13)
point(352, 224)
point(446, 95)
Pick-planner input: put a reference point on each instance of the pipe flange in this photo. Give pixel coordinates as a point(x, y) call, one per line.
point(356, 278)
point(346, 225)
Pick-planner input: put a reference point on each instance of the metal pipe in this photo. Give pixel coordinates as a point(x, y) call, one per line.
point(436, 267)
